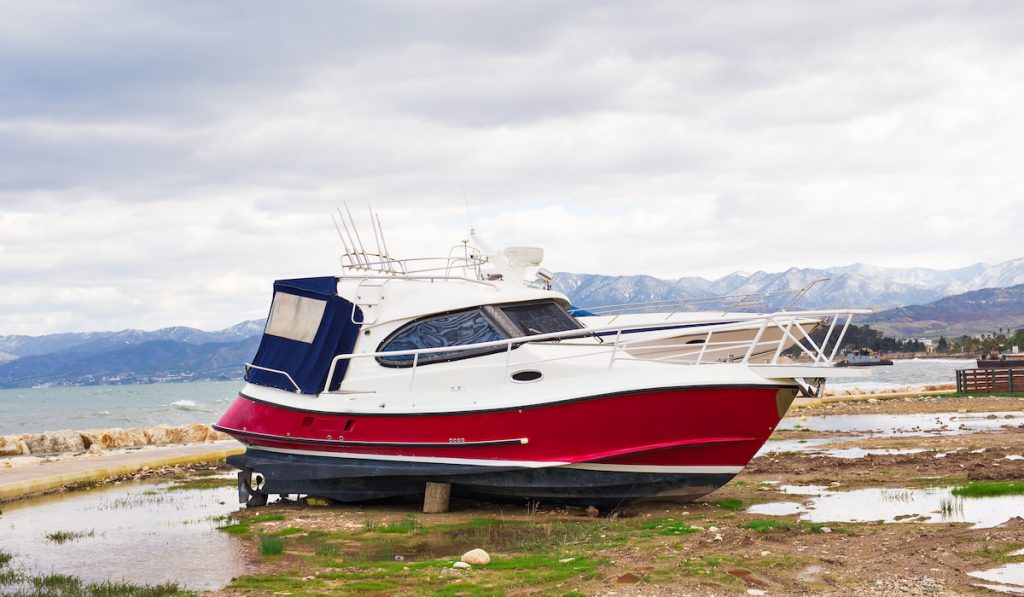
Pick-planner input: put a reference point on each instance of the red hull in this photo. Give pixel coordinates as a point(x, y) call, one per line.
point(720, 426)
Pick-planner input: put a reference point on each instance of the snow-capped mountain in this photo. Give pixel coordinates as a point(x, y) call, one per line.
point(857, 285)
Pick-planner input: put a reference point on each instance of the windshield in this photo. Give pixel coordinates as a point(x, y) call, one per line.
point(466, 327)
point(540, 318)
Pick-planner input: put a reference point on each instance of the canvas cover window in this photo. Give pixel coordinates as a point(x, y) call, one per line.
point(295, 317)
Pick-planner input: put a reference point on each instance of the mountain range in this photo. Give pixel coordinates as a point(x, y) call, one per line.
point(913, 302)
point(857, 285)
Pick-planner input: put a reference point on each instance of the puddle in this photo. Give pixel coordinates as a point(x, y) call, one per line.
point(135, 532)
point(863, 426)
point(796, 445)
point(908, 424)
point(862, 452)
point(895, 505)
point(1008, 578)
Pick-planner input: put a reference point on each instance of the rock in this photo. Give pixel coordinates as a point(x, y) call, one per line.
point(712, 529)
point(196, 432)
point(461, 565)
point(826, 530)
point(54, 442)
point(476, 557)
point(718, 537)
point(591, 512)
point(565, 560)
point(755, 592)
point(157, 435)
point(628, 578)
point(11, 445)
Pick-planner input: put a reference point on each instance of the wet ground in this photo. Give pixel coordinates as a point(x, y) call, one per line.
point(851, 497)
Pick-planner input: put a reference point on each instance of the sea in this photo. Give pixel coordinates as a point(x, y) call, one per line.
point(32, 410)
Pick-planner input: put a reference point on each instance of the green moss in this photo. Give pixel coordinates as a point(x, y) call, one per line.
point(989, 489)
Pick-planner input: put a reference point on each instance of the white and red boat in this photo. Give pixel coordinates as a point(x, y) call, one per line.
point(402, 372)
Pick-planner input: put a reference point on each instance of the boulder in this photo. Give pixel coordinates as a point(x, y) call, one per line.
point(11, 445)
point(196, 432)
point(157, 434)
point(55, 442)
point(476, 557)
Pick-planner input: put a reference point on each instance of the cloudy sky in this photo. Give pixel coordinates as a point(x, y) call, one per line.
point(162, 162)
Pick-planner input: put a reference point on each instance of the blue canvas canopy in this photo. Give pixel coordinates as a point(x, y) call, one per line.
point(309, 324)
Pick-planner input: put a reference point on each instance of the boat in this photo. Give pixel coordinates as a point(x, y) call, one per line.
point(997, 360)
point(864, 357)
point(471, 370)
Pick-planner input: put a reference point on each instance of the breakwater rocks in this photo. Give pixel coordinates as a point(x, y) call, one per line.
point(68, 441)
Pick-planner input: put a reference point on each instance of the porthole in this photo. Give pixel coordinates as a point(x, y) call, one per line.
point(527, 376)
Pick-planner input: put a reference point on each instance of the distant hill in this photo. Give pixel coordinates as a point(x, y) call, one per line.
point(857, 285)
point(978, 311)
point(128, 356)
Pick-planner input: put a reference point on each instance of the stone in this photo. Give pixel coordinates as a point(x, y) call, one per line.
point(477, 557)
point(591, 512)
point(826, 530)
point(755, 592)
point(712, 529)
point(718, 537)
point(54, 442)
point(157, 434)
point(565, 560)
point(11, 445)
point(461, 565)
point(628, 578)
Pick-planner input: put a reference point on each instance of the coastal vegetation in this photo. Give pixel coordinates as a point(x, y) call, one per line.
point(16, 582)
point(989, 489)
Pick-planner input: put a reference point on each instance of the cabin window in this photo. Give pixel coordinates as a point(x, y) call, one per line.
point(539, 318)
point(454, 329)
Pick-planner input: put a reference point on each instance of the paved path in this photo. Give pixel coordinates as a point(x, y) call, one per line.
point(27, 479)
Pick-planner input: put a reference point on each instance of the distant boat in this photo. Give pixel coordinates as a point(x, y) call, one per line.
point(1001, 361)
point(864, 358)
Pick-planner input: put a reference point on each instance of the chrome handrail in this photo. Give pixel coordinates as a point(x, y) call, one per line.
point(783, 321)
point(298, 390)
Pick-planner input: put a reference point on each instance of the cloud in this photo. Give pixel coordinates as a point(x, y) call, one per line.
point(161, 164)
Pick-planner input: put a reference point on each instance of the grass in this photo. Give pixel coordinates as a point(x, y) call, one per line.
point(61, 537)
point(245, 527)
point(406, 525)
point(989, 489)
point(764, 526)
point(202, 483)
point(669, 526)
point(731, 504)
point(271, 545)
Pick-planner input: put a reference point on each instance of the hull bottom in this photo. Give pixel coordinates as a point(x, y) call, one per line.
point(357, 480)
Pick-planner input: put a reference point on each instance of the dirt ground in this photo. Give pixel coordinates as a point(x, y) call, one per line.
point(711, 547)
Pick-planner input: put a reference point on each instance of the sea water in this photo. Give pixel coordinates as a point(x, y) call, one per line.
point(910, 372)
point(31, 410)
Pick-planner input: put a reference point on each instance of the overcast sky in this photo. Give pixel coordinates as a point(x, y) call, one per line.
point(162, 162)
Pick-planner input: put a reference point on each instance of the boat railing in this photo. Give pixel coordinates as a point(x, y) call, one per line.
point(790, 327)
